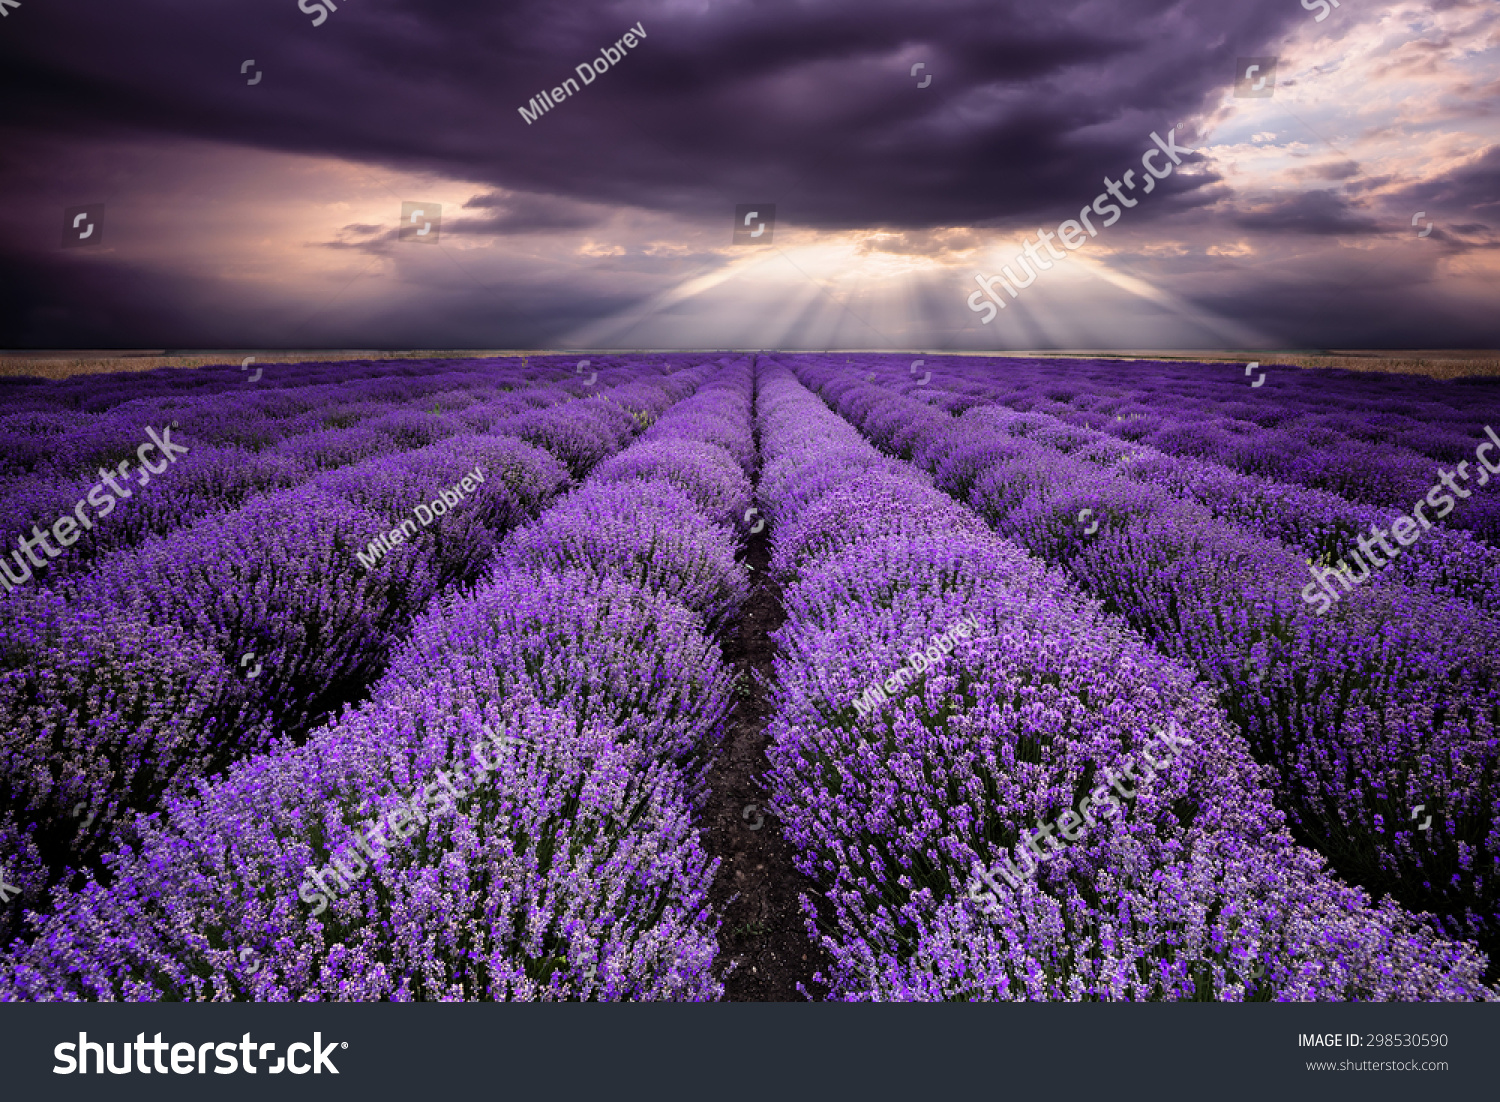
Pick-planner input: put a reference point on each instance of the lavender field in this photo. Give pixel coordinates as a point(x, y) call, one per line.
point(724, 676)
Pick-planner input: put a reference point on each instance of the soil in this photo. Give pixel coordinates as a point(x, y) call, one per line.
point(765, 952)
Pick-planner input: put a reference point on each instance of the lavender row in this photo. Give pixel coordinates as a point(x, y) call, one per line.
point(1449, 564)
point(121, 511)
point(281, 570)
point(1421, 415)
point(1384, 705)
point(1193, 891)
point(573, 873)
point(213, 479)
point(665, 517)
point(50, 448)
point(96, 725)
point(277, 583)
point(1324, 525)
point(1311, 428)
point(270, 453)
point(252, 417)
point(95, 393)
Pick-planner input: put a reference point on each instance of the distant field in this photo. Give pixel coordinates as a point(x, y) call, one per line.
point(1438, 364)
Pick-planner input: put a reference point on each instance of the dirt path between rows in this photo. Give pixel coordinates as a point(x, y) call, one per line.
point(765, 950)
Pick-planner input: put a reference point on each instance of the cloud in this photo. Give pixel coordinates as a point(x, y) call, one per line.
point(1320, 213)
point(1473, 185)
point(242, 206)
point(521, 213)
point(1332, 170)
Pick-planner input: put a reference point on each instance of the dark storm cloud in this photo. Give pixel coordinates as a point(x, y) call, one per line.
point(1470, 190)
point(527, 214)
point(1323, 213)
point(812, 104)
point(1473, 187)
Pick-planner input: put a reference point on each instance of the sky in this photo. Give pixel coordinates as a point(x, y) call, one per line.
point(256, 160)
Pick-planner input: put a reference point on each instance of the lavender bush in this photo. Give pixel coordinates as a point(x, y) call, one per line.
point(1179, 897)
